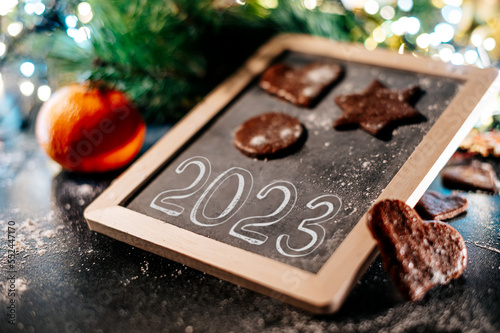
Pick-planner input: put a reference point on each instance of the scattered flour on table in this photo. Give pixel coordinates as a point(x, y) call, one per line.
point(31, 238)
point(21, 285)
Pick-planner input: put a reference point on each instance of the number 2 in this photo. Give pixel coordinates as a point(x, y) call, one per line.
point(243, 228)
point(245, 184)
point(311, 226)
point(160, 201)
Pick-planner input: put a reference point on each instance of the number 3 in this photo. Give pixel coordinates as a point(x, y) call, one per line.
point(311, 226)
point(243, 228)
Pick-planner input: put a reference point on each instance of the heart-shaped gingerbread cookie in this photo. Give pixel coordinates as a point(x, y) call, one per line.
point(476, 176)
point(417, 254)
point(300, 86)
point(434, 206)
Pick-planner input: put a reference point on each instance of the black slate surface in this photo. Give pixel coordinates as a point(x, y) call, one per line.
point(351, 166)
point(70, 279)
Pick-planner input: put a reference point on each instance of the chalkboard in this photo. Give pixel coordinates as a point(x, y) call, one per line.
point(346, 169)
point(297, 210)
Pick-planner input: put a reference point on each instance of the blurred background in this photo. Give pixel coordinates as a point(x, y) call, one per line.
point(166, 55)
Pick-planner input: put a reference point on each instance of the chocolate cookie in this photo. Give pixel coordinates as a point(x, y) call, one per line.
point(435, 206)
point(417, 254)
point(301, 86)
point(269, 135)
point(476, 176)
point(376, 108)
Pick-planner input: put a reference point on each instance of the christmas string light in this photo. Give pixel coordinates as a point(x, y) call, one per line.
point(437, 28)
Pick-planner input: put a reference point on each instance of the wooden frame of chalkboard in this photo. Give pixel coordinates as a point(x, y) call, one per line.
point(322, 291)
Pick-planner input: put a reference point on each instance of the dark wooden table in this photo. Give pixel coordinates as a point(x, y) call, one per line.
point(70, 279)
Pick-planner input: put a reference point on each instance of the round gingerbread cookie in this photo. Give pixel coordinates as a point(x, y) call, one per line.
point(269, 135)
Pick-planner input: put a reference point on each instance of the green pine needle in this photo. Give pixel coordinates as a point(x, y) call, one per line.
point(166, 55)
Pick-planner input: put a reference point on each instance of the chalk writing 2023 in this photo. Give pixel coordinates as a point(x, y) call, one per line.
point(250, 229)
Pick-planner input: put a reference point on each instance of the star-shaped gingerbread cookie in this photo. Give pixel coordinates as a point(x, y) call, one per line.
point(377, 108)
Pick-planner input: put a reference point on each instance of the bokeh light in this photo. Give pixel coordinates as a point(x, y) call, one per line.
point(476, 39)
point(412, 25)
point(405, 5)
point(6, 6)
point(85, 13)
point(29, 8)
point(370, 43)
point(457, 59)
point(371, 7)
point(424, 40)
point(399, 27)
point(27, 68)
point(446, 51)
point(15, 28)
point(3, 49)
point(471, 56)
point(44, 92)
point(489, 44)
point(71, 21)
point(387, 12)
point(268, 3)
point(445, 32)
point(39, 8)
point(451, 14)
point(27, 88)
point(379, 34)
point(84, 8)
point(310, 4)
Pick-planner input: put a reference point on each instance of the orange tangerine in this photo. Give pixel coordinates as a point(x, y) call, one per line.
point(89, 129)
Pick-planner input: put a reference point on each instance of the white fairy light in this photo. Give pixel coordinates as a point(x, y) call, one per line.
point(72, 32)
point(387, 12)
point(489, 44)
point(29, 8)
point(27, 88)
point(371, 7)
point(435, 39)
point(44, 92)
point(86, 18)
point(39, 8)
point(71, 21)
point(310, 4)
point(452, 14)
point(15, 28)
point(457, 59)
point(84, 8)
point(399, 27)
point(84, 32)
point(424, 40)
point(471, 56)
point(6, 6)
point(445, 32)
point(412, 25)
point(445, 52)
point(405, 5)
point(27, 68)
point(81, 35)
point(476, 39)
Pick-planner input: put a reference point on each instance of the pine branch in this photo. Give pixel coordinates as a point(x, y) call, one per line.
point(168, 54)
